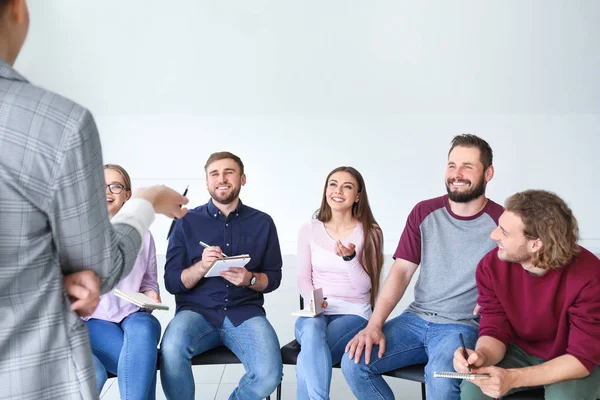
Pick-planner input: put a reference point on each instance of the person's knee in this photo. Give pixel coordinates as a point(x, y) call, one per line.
point(268, 378)
point(353, 371)
point(147, 330)
point(172, 346)
point(572, 389)
point(311, 333)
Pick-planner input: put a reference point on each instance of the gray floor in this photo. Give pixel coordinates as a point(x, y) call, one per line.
point(217, 382)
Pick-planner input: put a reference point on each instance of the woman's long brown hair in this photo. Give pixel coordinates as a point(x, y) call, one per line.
point(372, 252)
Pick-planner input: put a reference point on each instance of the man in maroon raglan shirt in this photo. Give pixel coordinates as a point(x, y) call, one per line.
point(539, 293)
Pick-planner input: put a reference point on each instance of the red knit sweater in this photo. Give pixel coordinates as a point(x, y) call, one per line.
point(547, 316)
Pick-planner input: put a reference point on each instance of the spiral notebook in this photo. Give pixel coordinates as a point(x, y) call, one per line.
point(456, 375)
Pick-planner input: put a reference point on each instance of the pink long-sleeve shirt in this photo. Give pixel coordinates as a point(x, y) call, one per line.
point(142, 277)
point(345, 283)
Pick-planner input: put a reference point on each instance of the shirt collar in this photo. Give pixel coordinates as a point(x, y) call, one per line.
point(214, 211)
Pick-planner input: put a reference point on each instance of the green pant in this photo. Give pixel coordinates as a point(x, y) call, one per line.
point(587, 388)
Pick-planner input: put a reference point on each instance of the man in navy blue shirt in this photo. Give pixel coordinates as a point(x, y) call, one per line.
point(226, 310)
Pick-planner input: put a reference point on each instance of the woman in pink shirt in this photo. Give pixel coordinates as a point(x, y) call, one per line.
point(123, 337)
point(340, 251)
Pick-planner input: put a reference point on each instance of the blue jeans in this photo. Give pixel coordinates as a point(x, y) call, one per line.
point(411, 340)
point(128, 350)
point(323, 340)
point(254, 342)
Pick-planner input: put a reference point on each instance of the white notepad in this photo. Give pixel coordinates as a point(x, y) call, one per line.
point(456, 375)
point(140, 300)
point(222, 264)
point(317, 301)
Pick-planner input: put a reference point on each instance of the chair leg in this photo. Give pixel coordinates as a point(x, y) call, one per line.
point(423, 395)
point(279, 392)
point(269, 397)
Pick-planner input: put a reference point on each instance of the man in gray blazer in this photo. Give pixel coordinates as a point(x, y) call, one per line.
point(54, 226)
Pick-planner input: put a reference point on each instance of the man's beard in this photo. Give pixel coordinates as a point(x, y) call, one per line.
point(520, 256)
point(465, 197)
point(227, 200)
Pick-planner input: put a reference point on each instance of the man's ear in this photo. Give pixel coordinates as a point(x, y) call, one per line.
point(489, 173)
point(18, 11)
point(535, 245)
point(243, 179)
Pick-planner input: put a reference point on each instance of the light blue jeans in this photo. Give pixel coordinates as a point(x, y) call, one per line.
point(254, 342)
point(323, 340)
point(128, 350)
point(411, 340)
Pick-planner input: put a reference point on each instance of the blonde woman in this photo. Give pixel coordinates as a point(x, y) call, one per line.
point(123, 337)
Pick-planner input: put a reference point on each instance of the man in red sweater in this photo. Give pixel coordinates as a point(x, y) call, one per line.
point(539, 293)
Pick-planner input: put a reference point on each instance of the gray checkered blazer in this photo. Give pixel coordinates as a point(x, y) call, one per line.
point(53, 221)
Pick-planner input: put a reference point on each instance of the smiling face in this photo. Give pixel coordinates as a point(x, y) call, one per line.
point(342, 191)
point(465, 176)
point(116, 194)
point(513, 245)
point(224, 180)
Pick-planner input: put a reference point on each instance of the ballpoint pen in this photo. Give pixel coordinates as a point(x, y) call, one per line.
point(175, 219)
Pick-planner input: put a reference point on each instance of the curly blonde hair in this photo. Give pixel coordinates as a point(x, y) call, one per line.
point(547, 217)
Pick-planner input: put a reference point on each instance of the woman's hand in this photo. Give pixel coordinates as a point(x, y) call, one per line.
point(344, 251)
point(154, 296)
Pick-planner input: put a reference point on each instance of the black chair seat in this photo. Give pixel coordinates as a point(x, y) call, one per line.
point(218, 355)
point(289, 353)
point(415, 373)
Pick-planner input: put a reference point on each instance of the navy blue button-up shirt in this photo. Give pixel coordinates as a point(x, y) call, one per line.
point(244, 231)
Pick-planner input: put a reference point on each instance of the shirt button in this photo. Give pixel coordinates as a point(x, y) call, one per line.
point(224, 308)
point(226, 224)
point(226, 285)
point(237, 215)
point(226, 299)
point(227, 244)
point(215, 215)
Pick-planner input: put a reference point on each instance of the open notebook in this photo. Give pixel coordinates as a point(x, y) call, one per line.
point(140, 300)
point(317, 301)
point(222, 264)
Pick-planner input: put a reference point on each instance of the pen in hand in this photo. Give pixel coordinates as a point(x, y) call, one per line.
point(464, 348)
point(205, 245)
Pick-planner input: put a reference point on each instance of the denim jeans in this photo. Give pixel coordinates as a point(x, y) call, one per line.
point(323, 340)
point(254, 342)
point(128, 350)
point(411, 340)
point(587, 388)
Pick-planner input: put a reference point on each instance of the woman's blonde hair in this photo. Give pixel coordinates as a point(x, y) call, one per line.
point(124, 174)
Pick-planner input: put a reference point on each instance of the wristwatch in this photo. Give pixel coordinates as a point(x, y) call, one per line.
point(350, 257)
point(252, 280)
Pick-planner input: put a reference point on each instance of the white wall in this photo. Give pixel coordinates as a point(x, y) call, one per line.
point(298, 88)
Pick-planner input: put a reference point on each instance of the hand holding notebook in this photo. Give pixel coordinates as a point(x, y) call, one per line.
point(140, 300)
point(223, 264)
point(316, 303)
